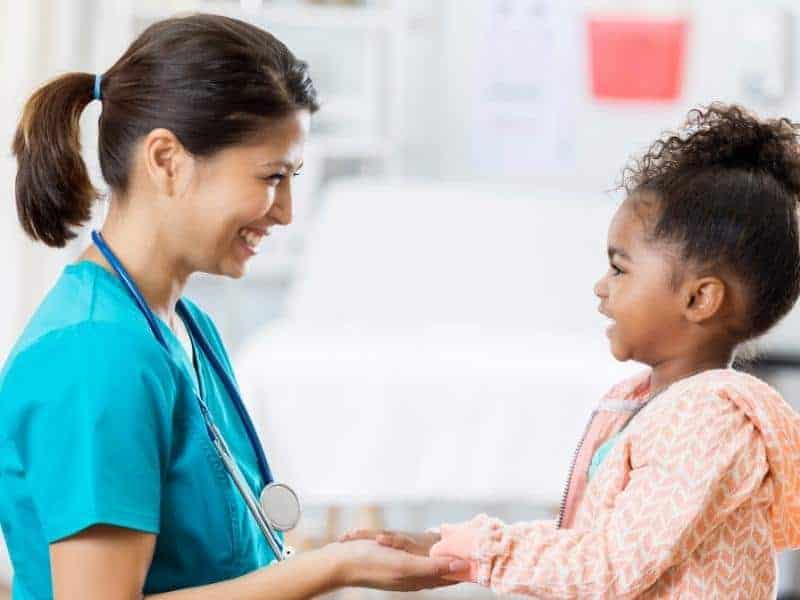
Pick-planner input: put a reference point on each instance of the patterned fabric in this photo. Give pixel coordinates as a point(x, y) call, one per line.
point(614, 411)
point(693, 501)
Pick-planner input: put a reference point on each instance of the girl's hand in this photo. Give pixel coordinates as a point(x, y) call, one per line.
point(413, 543)
point(364, 563)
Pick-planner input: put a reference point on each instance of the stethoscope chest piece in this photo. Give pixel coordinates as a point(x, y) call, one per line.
point(281, 506)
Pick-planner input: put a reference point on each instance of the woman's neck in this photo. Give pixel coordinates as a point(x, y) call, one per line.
point(144, 250)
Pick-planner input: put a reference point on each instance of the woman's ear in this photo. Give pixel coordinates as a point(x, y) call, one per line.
point(165, 159)
point(704, 298)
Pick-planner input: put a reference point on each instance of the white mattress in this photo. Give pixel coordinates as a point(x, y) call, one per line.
point(442, 343)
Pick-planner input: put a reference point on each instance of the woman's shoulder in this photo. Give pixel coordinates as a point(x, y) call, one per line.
point(86, 327)
point(88, 359)
point(85, 300)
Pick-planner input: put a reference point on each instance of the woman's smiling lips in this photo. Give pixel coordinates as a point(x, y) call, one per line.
point(251, 238)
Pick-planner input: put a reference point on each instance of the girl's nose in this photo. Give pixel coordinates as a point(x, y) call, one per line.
point(600, 289)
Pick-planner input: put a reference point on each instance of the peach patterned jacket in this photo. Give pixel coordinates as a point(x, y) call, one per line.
point(693, 501)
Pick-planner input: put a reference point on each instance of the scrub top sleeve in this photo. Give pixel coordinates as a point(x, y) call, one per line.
point(98, 444)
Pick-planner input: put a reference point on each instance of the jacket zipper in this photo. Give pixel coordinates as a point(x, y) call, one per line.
point(565, 494)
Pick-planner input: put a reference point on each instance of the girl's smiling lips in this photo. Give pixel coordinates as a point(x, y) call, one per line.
point(612, 322)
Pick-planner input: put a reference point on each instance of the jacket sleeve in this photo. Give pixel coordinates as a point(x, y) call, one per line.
point(695, 463)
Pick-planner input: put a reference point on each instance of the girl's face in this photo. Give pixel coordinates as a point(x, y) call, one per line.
point(235, 197)
point(636, 293)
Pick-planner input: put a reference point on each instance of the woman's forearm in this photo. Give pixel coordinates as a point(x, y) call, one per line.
point(304, 576)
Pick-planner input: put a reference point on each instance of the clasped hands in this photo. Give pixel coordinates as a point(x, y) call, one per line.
point(400, 561)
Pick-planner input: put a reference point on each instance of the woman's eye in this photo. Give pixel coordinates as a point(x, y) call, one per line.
point(274, 179)
point(616, 270)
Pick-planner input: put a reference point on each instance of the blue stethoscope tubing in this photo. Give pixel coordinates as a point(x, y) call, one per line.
point(216, 437)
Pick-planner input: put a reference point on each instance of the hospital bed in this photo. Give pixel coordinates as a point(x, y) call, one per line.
point(442, 342)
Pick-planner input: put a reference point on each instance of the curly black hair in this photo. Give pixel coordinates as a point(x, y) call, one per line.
point(726, 189)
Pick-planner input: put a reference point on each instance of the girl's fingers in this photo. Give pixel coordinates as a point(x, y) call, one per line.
point(399, 542)
point(360, 534)
point(458, 566)
point(438, 567)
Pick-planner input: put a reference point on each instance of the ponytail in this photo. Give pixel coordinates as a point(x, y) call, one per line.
point(53, 190)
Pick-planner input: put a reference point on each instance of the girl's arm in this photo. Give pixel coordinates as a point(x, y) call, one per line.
point(111, 563)
point(700, 462)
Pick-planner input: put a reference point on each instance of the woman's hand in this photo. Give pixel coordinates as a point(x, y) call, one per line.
point(365, 563)
point(413, 543)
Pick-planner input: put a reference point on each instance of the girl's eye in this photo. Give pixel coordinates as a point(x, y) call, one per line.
point(616, 270)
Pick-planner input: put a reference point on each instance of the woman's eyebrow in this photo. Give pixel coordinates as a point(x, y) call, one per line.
point(282, 163)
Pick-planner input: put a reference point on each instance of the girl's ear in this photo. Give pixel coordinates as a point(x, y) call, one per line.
point(703, 298)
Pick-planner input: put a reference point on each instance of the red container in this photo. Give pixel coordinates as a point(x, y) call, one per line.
point(637, 59)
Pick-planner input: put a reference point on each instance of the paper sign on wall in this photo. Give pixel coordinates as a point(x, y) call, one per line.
point(526, 83)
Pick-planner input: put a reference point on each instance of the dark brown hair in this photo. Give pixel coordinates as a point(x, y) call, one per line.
point(726, 189)
point(211, 80)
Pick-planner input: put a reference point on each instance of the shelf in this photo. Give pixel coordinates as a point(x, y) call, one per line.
point(300, 16)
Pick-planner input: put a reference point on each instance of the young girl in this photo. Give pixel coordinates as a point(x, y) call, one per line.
point(687, 481)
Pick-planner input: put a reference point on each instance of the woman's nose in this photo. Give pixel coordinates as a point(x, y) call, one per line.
point(281, 210)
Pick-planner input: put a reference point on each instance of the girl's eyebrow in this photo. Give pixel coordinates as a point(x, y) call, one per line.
point(614, 251)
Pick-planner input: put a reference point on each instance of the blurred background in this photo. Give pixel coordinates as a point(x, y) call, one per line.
point(422, 344)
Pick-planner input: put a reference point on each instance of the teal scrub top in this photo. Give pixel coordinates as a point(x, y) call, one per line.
point(99, 424)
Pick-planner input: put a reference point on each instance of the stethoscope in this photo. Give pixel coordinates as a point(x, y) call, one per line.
point(278, 506)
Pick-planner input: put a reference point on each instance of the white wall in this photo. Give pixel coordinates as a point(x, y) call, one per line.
point(41, 39)
point(607, 133)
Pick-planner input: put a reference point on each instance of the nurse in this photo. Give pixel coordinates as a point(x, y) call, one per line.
point(110, 483)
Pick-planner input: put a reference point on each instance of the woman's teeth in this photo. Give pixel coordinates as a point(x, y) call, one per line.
point(251, 238)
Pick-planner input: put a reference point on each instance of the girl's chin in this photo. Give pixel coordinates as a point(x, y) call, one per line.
point(618, 349)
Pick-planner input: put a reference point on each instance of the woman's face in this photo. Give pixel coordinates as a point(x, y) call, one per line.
point(636, 293)
point(236, 196)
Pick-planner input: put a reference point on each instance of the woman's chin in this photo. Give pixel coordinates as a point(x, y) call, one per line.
point(238, 272)
point(233, 269)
